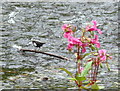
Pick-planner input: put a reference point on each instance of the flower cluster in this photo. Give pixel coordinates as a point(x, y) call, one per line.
point(84, 41)
point(68, 33)
point(88, 40)
point(95, 41)
point(93, 27)
point(103, 55)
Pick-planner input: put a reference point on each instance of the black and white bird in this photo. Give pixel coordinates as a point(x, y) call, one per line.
point(37, 43)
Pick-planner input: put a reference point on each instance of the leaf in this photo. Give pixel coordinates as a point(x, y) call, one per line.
point(83, 87)
point(85, 82)
point(92, 33)
point(73, 79)
point(101, 87)
point(86, 54)
point(95, 54)
point(101, 65)
point(108, 66)
point(80, 78)
point(92, 47)
point(94, 86)
point(86, 69)
point(68, 72)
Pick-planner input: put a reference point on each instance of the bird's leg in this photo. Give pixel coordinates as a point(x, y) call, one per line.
point(35, 48)
point(38, 48)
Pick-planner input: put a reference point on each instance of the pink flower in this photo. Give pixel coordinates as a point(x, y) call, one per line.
point(110, 57)
point(81, 69)
point(102, 54)
point(66, 28)
point(67, 34)
point(83, 47)
point(93, 28)
point(95, 41)
point(74, 41)
point(70, 46)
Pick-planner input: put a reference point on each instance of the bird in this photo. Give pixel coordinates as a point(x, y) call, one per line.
point(37, 43)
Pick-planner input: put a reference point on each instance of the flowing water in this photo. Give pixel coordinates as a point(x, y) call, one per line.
point(42, 21)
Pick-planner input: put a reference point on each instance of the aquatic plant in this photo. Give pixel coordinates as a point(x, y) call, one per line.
point(89, 55)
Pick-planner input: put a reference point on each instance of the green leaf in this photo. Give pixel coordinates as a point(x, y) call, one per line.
point(68, 72)
point(86, 69)
point(80, 78)
point(94, 86)
point(101, 65)
point(101, 87)
point(108, 67)
point(85, 82)
point(93, 47)
point(86, 54)
point(82, 87)
point(92, 33)
point(73, 79)
point(95, 54)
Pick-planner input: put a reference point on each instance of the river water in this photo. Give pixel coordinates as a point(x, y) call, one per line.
point(42, 21)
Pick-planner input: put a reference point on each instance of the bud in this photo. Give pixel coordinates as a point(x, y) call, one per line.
point(95, 54)
point(74, 29)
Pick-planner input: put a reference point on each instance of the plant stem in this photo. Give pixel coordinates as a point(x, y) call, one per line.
point(78, 65)
point(97, 71)
point(78, 59)
point(79, 89)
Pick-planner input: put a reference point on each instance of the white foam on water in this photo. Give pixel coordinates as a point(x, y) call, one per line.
point(16, 46)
